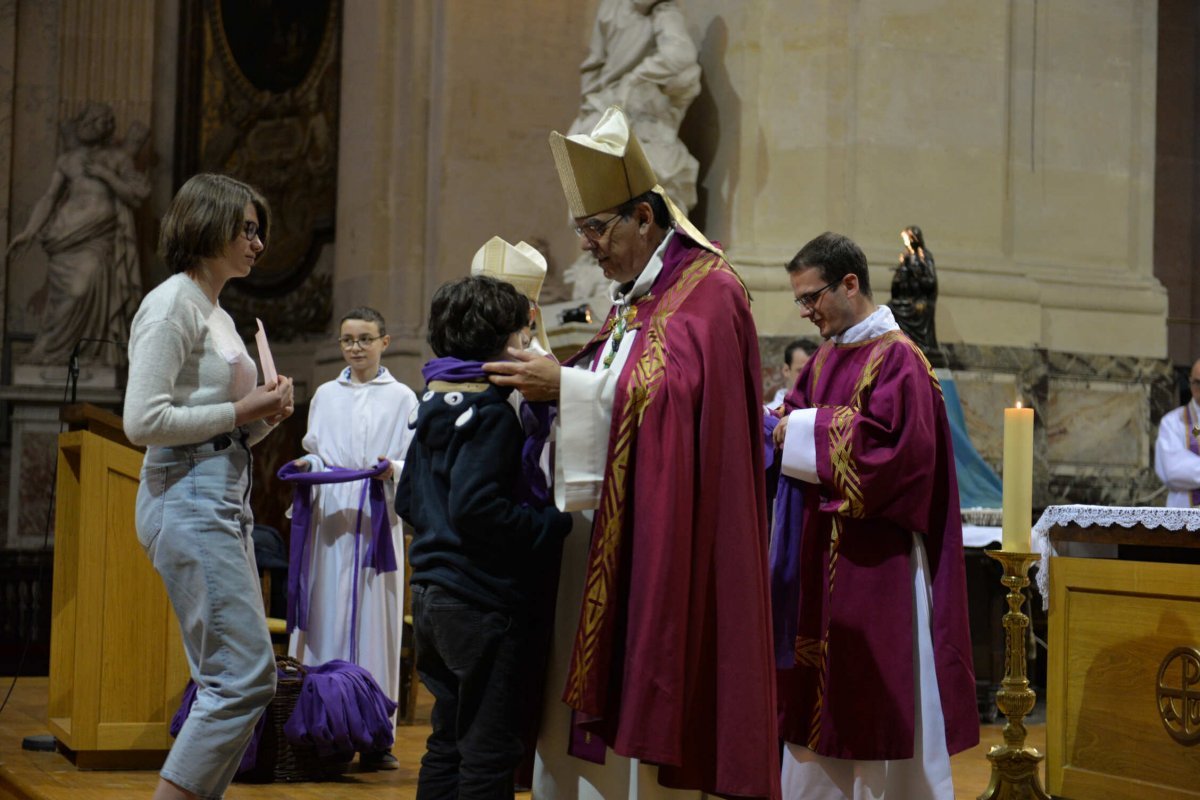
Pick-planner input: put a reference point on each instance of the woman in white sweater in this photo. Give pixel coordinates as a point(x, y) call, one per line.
point(192, 400)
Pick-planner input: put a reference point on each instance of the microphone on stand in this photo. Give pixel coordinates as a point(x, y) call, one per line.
point(73, 363)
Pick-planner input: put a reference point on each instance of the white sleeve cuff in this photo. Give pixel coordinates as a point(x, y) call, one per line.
point(799, 458)
point(584, 418)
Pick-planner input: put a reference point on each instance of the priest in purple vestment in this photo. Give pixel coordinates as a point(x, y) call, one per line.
point(664, 658)
point(876, 685)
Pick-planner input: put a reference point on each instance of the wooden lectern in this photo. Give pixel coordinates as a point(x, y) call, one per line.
point(117, 666)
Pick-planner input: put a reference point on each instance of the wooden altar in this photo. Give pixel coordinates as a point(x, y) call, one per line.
point(1123, 683)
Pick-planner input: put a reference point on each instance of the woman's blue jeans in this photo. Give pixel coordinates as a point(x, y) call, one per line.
point(194, 521)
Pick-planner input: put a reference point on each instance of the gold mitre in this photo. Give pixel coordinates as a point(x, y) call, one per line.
point(602, 169)
point(520, 265)
point(605, 168)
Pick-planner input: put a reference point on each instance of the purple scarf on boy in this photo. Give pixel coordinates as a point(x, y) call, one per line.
point(536, 419)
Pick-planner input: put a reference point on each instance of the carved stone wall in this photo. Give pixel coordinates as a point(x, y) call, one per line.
point(260, 101)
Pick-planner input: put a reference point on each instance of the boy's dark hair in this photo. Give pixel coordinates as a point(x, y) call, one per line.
point(366, 314)
point(835, 256)
point(471, 318)
point(807, 345)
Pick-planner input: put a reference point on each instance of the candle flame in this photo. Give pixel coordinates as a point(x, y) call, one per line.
point(1019, 403)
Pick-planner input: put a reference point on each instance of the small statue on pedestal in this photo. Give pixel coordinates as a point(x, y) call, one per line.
point(914, 292)
point(84, 222)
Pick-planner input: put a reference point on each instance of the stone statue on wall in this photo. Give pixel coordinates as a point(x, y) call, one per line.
point(84, 223)
point(915, 290)
point(642, 59)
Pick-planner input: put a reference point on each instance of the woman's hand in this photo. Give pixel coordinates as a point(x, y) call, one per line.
point(302, 465)
point(272, 402)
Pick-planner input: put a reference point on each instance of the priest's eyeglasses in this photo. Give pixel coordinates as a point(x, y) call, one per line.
point(593, 230)
point(250, 230)
point(349, 342)
point(809, 300)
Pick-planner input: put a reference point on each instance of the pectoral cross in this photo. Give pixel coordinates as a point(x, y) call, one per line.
point(627, 316)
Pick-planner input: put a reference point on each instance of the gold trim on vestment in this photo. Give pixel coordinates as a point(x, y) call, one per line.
point(818, 362)
point(646, 377)
point(847, 481)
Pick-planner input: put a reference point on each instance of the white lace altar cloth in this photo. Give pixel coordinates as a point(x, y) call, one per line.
point(1171, 519)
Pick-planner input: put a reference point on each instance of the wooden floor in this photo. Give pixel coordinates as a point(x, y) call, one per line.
point(26, 775)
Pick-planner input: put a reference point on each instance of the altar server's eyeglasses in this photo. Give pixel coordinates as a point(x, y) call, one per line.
point(349, 342)
point(250, 230)
point(809, 300)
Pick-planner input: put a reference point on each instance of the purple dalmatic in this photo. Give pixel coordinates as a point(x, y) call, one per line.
point(381, 551)
point(841, 583)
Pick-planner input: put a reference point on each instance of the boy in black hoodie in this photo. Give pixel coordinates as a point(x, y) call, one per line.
point(475, 543)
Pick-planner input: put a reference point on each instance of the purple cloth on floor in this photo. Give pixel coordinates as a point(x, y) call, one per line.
point(454, 370)
point(341, 710)
point(785, 568)
point(185, 708)
point(250, 756)
point(381, 554)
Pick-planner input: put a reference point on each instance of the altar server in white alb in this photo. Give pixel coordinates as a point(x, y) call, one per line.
point(1177, 451)
point(355, 421)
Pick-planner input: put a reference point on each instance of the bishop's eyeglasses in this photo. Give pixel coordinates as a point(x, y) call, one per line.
point(593, 230)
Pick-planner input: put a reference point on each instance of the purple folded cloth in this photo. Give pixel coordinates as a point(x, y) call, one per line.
point(341, 710)
point(784, 559)
point(536, 419)
point(770, 422)
point(381, 553)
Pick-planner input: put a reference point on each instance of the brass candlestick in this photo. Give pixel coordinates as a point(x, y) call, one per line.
point(1014, 766)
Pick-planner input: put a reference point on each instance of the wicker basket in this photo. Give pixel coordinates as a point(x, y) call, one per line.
point(278, 759)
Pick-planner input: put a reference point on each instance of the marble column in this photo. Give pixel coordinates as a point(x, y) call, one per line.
point(8, 67)
point(382, 256)
point(445, 117)
point(107, 55)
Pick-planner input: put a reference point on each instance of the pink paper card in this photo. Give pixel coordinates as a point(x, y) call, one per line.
point(264, 354)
